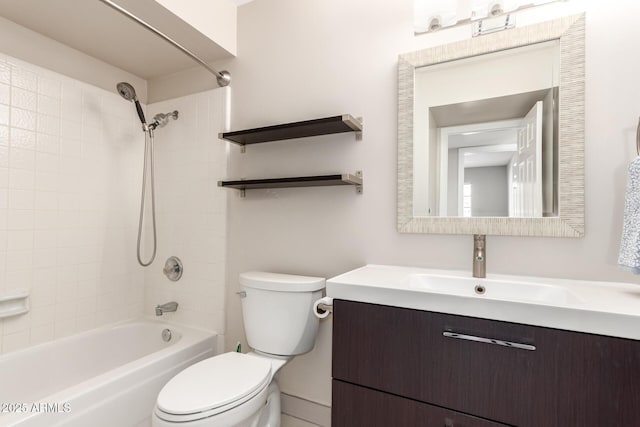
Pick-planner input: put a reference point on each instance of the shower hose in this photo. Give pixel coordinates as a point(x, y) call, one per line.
point(148, 155)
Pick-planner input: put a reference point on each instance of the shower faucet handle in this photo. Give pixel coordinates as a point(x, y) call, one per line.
point(173, 268)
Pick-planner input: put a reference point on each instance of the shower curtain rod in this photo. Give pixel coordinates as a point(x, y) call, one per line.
point(223, 77)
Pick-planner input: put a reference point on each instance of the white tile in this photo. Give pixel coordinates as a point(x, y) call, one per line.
point(5, 73)
point(49, 87)
point(22, 138)
point(48, 105)
point(67, 293)
point(70, 130)
point(41, 334)
point(45, 239)
point(12, 325)
point(24, 79)
point(68, 256)
point(87, 306)
point(46, 220)
point(49, 125)
point(4, 156)
point(47, 143)
point(42, 295)
point(3, 238)
point(46, 181)
point(19, 240)
point(22, 119)
point(70, 147)
point(5, 94)
point(18, 261)
point(22, 159)
point(68, 238)
point(4, 115)
point(20, 219)
point(65, 327)
point(43, 315)
point(19, 279)
point(21, 199)
point(4, 135)
point(21, 179)
point(44, 200)
point(24, 99)
point(44, 258)
point(13, 342)
point(46, 162)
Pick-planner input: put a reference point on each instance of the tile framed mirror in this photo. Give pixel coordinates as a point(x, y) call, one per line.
point(491, 134)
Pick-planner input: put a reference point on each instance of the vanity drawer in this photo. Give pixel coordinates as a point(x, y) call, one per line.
point(354, 406)
point(570, 379)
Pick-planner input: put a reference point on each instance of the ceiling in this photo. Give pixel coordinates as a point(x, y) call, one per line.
point(487, 110)
point(97, 30)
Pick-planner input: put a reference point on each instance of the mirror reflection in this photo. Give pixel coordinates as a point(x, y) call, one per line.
point(486, 135)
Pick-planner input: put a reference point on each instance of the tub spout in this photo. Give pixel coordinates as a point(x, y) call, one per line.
point(165, 308)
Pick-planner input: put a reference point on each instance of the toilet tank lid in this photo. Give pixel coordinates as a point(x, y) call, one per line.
point(281, 282)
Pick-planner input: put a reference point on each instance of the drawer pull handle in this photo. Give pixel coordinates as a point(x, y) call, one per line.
point(489, 341)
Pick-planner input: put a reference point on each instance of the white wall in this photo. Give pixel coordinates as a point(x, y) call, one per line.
point(191, 210)
point(68, 154)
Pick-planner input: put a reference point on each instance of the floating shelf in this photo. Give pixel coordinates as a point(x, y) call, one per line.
point(13, 305)
point(298, 181)
point(324, 126)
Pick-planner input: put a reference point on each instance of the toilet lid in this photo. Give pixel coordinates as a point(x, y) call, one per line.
point(214, 382)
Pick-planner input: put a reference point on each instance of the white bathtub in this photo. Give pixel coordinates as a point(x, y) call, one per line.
point(107, 377)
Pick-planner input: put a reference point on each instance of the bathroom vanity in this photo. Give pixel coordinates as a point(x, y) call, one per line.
point(431, 365)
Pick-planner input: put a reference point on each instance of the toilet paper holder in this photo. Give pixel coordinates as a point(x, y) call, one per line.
point(323, 307)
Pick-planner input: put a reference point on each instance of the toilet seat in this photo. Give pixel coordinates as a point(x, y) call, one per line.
point(213, 386)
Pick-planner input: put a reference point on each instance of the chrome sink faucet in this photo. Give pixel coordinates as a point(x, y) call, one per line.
point(479, 255)
point(165, 308)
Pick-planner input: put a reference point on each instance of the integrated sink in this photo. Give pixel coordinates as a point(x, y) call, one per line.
point(606, 308)
point(493, 289)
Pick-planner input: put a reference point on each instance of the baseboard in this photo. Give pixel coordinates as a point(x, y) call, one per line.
point(313, 412)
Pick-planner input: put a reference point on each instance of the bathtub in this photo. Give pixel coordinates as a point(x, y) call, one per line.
point(106, 377)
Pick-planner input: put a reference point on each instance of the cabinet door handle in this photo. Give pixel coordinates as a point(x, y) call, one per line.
point(489, 341)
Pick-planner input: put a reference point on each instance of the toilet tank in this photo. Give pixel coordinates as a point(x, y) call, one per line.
point(277, 311)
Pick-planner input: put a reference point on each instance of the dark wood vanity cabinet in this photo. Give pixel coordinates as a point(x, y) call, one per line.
point(397, 367)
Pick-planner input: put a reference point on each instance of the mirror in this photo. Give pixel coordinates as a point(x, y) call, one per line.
point(491, 134)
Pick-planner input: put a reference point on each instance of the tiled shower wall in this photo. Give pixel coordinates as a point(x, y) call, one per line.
point(70, 167)
point(191, 209)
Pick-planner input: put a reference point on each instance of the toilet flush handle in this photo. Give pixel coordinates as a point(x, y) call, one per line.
point(242, 294)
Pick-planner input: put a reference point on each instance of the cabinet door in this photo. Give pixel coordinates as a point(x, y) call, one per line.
point(570, 379)
point(355, 406)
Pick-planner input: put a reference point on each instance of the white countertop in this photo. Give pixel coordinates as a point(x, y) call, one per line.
point(604, 308)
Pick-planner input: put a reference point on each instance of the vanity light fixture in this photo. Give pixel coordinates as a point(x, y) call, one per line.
point(488, 16)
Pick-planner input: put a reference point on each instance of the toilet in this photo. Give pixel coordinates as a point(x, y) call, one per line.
point(240, 390)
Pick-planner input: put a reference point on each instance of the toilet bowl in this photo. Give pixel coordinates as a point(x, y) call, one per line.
point(240, 390)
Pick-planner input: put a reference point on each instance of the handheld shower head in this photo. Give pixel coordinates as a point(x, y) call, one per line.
point(126, 91)
point(129, 93)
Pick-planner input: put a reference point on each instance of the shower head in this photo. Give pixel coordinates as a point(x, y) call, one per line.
point(129, 93)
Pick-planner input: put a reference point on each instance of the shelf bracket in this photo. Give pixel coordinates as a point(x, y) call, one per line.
point(359, 133)
point(359, 188)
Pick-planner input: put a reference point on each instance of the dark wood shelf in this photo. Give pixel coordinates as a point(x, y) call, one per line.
point(298, 181)
point(324, 126)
